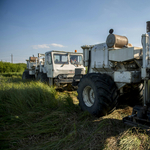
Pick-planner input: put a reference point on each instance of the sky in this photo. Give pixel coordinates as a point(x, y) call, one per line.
point(29, 27)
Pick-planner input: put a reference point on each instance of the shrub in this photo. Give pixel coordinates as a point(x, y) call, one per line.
point(6, 67)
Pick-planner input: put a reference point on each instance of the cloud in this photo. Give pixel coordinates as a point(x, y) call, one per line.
point(40, 46)
point(56, 45)
point(46, 46)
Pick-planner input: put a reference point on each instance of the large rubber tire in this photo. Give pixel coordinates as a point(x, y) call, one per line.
point(97, 94)
point(42, 77)
point(133, 95)
point(26, 75)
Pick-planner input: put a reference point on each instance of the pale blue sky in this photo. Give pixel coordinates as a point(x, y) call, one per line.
point(28, 27)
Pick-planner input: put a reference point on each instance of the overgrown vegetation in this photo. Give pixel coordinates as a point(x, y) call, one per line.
point(36, 116)
point(6, 67)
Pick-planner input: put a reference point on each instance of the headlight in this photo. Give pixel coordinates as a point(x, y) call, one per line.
point(60, 77)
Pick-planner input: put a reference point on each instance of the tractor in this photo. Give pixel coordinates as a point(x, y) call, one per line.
point(116, 69)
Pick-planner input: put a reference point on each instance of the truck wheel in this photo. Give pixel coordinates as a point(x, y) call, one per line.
point(42, 77)
point(26, 75)
point(97, 94)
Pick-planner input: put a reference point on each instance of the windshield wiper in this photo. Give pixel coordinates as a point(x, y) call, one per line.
point(63, 64)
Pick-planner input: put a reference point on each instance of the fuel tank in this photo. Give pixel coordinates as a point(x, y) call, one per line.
point(114, 40)
point(32, 59)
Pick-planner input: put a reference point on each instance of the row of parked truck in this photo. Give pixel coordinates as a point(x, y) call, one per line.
point(55, 67)
point(115, 68)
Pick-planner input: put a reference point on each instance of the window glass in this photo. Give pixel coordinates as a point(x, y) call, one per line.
point(76, 59)
point(49, 59)
point(60, 58)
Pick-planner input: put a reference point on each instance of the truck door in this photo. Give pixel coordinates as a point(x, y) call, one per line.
point(49, 65)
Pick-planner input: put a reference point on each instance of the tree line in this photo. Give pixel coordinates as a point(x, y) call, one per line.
point(6, 67)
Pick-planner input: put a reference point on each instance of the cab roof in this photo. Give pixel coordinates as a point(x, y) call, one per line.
point(62, 52)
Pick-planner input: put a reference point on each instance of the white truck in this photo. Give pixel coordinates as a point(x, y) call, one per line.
point(55, 67)
point(117, 69)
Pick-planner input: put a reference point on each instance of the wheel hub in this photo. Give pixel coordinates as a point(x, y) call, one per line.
point(88, 96)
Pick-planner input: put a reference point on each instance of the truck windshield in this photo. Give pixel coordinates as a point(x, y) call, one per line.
point(61, 58)
point(76, 59)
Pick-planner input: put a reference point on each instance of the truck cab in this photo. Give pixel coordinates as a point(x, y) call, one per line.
point(60, 66)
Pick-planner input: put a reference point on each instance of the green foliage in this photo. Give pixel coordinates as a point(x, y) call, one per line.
point(6, 67)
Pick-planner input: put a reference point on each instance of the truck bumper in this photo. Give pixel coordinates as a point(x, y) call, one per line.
point(76, 79)
point(63, 81)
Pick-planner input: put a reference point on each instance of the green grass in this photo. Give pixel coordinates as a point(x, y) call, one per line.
point(36, 116)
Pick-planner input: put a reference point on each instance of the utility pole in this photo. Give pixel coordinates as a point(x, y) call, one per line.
point(11, 58)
